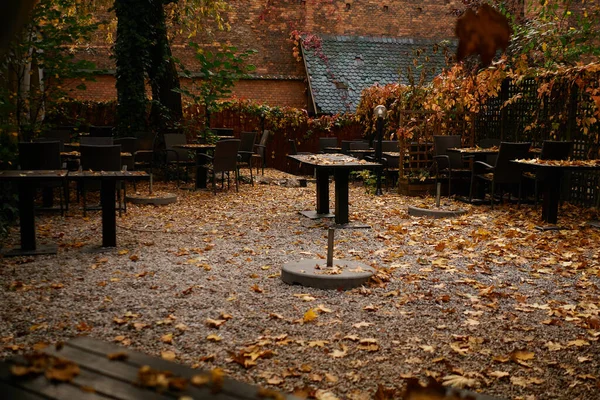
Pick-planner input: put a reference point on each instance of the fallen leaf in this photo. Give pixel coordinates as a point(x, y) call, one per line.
point(310, 315)
point(459, 381)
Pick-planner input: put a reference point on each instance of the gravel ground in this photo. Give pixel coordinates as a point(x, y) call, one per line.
point(483, 301)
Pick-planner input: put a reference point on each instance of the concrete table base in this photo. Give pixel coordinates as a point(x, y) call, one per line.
point(314, 273)
point(316, 215)
point(39, 250)
point(434, 213)
point(160, 199)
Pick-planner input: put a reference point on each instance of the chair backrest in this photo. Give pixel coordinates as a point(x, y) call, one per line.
point(101, 131)
point(390, 146)
point(486, 143)
point(39, 155)
point(62, 135)
point(359, 145)
point(505, 170)
point(128, 144)
point(226, 155)
point(327, 142)
point(556, 150)
point(263, 143)
point(144, 141)
point(100, 158)
point(173, 139)
point(247, 140)
point(95, 141)
point(222, 131)
point(441, 144)
point(293, 148)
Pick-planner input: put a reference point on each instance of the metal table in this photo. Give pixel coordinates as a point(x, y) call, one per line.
point(340, 166)
point(26, 183)
point(553, 171)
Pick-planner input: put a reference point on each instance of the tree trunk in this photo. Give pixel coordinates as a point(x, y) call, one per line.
point(166, 109)
point(131, 53)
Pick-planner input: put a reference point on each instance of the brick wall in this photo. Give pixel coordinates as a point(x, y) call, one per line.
point(265, 25)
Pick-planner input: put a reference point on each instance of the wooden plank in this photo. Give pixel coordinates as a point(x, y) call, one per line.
point(14, 393)
point(112, 378)
point(39, 384)
point(231, 389)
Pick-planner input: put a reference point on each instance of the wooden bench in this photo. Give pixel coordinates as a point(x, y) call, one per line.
point(107, 371)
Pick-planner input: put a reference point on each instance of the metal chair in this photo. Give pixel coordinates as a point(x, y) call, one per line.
point(260, 151)
point(45, 155)
point(101, 131)
point(96, 140)
point(448, 165)
point(224, 160)
point(180, 158)
point(101, 158)
point(128, 145)
point(392, 146)
point(246, 150)
point(504, 172)
point(325, 142)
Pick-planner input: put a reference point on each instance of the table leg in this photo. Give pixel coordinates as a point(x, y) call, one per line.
point(322, 191)
point(26, 216)
point(551, 197)
point(341, 196)
point(48, 197)
point(27, 225)
point(109, 223)
point(201, 172)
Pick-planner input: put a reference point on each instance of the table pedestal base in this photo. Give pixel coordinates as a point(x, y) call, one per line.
point(316, 215)
point(549, 228)
point(39, 250)
point(352, 225)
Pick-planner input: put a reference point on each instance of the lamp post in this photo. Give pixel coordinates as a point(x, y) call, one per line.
point(380, 113)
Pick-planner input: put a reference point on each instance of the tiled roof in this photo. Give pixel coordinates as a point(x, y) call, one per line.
point(343, 66)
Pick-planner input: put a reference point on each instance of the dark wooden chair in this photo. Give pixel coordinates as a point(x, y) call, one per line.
point(101, 158)
point(448, 166)
point(505, 172)
point(224, 160)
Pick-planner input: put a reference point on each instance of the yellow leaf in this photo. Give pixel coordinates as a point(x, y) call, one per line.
point(215, 323)
point(168, 338)
point(324, 309)
point(340, 353)
point(427, 348)
point(214, 338)
point(168, 355)
point(318, 343)
point(522, 355)
point(498, 374)
point(310, 315)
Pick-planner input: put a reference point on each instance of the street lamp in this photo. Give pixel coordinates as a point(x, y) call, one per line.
point(380, 112)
